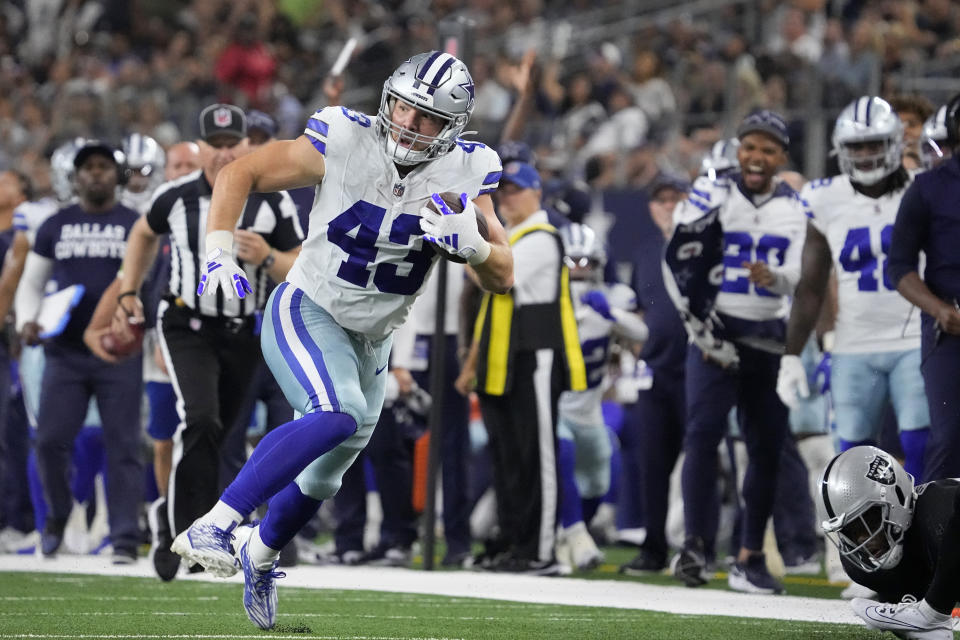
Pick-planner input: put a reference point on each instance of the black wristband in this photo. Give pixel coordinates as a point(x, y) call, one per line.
point(124, 295)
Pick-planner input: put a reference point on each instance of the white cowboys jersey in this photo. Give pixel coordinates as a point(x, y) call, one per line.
point(28, 216)
point(583, 407)
point(364, 260)
point(872, 316)
point(771, 231)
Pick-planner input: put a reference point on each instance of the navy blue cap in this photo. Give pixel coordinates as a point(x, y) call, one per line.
point(521, 174)
point(263, 121)
point(768, 122)
point(668, 181)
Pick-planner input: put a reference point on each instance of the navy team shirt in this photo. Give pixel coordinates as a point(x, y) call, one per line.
point(86, 248)
point(666, 348)
point(929, 220)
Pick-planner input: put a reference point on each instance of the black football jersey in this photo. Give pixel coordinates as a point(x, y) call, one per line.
point(921, 546)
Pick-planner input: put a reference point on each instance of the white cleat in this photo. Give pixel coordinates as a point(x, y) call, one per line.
point(904, 619)
point(259, 587)
point(208, 545)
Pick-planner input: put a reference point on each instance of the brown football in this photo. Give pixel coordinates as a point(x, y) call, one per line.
point(115, 346)
point(453, 201)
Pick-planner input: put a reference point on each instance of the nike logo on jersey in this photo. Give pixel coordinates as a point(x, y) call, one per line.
point(380, 370)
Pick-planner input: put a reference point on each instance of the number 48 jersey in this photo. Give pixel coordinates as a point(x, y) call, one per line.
point(364, 260)
point(872, 316)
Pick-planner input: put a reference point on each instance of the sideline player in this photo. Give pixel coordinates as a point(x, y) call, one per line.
point(603, 311)
point(876, 353)
point(734, 257)
point(327, 329)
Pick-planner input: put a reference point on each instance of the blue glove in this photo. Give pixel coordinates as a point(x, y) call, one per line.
point(821, 375)
point(598, 302)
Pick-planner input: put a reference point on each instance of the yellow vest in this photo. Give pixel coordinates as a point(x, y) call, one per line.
point(502, 329)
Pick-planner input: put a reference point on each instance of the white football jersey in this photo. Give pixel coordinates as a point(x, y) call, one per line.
point(28, 216)
point(364, 260)
point(768, 229)
point(872, 317)
point(583, 407)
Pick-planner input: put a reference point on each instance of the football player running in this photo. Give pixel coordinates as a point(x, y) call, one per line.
point(583, 445)
point(894, 539)
point(876, 353)
point(327, 330)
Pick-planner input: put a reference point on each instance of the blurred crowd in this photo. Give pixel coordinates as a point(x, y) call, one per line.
point(660, 93)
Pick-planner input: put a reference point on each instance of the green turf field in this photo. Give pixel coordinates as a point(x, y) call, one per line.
point(34, 605)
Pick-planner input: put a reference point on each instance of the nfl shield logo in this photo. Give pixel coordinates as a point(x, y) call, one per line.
point(398, 189)
point(222, 117)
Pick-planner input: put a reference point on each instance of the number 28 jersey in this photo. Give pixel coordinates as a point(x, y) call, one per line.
point(872, 317)
point(364, 260)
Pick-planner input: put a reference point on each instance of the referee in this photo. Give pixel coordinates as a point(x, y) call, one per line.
point(525, 352)
point(210, 345)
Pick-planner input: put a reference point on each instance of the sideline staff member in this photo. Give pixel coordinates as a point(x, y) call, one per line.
point(83, 244)
point(929, 221)
point(210, 345)
point(525, 352)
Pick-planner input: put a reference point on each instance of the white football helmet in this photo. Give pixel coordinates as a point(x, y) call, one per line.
point(61, 169)
point(934, 147)
point(435, 82)
point(582, 248)
point(143, 171)
point(721, 159)
point(868, 119)
point(865, 505)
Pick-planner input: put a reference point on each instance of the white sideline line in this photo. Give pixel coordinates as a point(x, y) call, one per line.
point(530, 589)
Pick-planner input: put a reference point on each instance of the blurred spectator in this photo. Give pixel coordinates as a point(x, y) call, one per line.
point(625, 129)
point(653, 94)
point(793, 38)
point(246, 67)
point(913, 111)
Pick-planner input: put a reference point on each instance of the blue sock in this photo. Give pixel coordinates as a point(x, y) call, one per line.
point(914, 443)
point(570, 511)
point(283, 454)
point(36, 491)
point(288, 512)
point(847, 444)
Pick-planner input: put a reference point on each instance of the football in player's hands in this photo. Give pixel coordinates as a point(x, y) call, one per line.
point(116, 346)
point(453, 202)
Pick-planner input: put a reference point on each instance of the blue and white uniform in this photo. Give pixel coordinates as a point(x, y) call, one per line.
point(876, 356)
point(327, 329)
point(766, 228)
point(580, 415)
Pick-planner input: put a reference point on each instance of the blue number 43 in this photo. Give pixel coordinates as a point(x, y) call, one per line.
point(361, 249)
point(857, 256)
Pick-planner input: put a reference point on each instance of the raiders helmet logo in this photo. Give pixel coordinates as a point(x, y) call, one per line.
point(881, 471)
point(222, 117)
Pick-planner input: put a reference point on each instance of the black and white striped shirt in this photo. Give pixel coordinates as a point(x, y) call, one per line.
point(180, 208)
